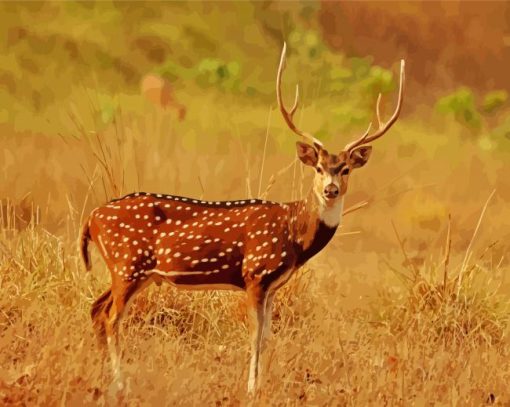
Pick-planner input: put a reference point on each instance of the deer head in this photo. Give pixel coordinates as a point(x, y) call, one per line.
point(333, 170)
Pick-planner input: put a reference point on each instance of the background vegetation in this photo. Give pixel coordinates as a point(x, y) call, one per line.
point(403, 307)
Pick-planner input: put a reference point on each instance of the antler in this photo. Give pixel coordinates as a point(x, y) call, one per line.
point(383, 127)
point(288, 115)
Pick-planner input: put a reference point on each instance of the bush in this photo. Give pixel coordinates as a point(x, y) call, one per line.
point(212, 71)
point(461, 104)
point(493, 101)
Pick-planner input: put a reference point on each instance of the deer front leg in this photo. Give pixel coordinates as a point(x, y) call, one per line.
point(112, 336)
point(256, 302)
point(268, 316)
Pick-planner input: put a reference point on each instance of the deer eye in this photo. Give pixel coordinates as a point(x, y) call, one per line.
point(345, 171)
point(319, 170)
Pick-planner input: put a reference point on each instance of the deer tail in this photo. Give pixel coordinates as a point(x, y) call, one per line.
point(84, 245)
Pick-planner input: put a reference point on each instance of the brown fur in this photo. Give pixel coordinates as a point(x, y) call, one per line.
point(84, 245)
point(99, 315)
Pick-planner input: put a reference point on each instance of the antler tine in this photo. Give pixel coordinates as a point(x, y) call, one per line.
point(289, 115)
point(383, 127)
point(296, 102)
point(378, 110)
point(359, 141)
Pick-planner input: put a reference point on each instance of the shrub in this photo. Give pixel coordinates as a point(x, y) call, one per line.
point(493, 101)
point(460, 104)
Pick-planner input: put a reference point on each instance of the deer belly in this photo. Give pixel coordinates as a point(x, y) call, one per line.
point(203, 278)
point(224, 279)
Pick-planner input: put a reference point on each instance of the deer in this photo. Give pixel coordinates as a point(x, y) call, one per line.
point(251, 245)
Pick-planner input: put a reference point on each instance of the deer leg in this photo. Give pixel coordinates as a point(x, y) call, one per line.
point(268, 315)
point(122, 292)
point(266, 332)
point(98, 314)
point(112, 319)
point(256, 314)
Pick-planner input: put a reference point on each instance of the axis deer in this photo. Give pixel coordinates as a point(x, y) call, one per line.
point(251, 245)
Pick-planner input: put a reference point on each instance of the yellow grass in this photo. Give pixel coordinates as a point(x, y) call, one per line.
point(362, 324)
point(412, 343)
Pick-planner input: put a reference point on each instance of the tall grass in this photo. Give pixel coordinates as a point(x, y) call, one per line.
point(415, 341)
point(418, 334)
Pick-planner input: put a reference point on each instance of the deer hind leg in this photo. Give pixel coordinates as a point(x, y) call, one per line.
point(256, 317)
point(112, 337)
point(109, 309)
point(104, 315)
point(98, 313)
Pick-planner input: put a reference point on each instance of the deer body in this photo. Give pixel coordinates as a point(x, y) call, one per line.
point(192, 242)
point(250, 245)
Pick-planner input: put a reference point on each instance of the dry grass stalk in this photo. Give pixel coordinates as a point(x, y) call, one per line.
point(468, 250)
point(274, 177)
point(448, 246)
point(409, 263)
point(477, 317)
point(201, 187)
point(355, 207)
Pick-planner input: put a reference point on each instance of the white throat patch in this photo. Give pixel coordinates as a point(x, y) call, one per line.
point(331, 215)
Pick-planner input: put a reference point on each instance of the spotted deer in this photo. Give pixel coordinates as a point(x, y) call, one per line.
point(251, 245)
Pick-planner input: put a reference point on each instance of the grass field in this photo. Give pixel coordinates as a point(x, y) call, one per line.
point(403, 307)
point(337, 338)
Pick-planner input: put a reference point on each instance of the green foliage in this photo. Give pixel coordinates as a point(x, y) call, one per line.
point(493, 101)
point(212, 71)
point(358, 83)
point(307, 43)
point(378, 80)
point(108, 107)
point(172, 71)
point(461, 104)
point(45, 67)
point(110, 47)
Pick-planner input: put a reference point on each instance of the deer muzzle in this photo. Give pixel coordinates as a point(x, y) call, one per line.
point(331, 191)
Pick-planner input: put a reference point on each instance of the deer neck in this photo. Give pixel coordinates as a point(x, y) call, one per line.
point(313, 224)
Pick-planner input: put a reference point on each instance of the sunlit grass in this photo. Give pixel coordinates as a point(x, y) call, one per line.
point(416, 340)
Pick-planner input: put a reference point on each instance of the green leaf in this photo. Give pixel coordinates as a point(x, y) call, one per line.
point(494, 100)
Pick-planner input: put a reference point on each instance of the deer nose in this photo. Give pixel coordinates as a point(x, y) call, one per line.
point(331, 191)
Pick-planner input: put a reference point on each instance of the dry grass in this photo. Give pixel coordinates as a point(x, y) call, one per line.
point(355, 328)
point(415, 343)
point(421, 339)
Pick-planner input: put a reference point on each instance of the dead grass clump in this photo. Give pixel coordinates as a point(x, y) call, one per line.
point(200, 318)
point(470, 319)
point(18, 215)
point(192, 348)
point(195, 318)
point(463, 307)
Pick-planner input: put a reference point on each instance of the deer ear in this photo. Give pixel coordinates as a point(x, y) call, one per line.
point(359, 156)
point(307, 154)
